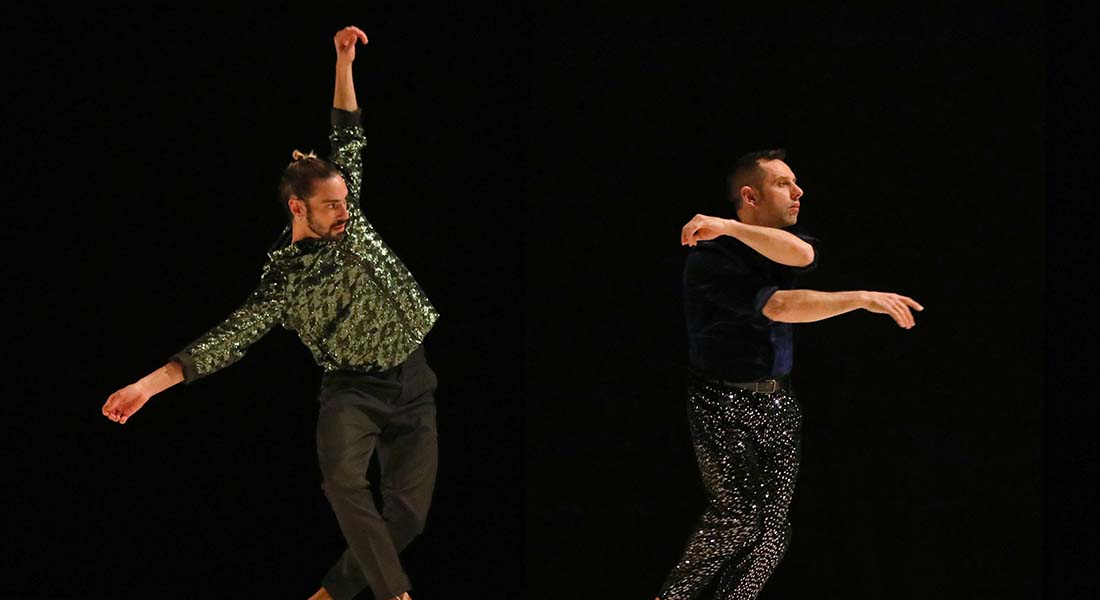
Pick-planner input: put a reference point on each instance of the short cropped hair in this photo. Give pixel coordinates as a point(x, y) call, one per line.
point(746, 171)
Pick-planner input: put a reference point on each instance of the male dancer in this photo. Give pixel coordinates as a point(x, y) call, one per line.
point(744, 419)
point(363, 316)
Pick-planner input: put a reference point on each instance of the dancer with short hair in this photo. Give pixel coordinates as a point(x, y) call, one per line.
point(740, 301)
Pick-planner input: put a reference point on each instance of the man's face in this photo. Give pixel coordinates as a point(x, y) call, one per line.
point(777, 197)
point(327, 209)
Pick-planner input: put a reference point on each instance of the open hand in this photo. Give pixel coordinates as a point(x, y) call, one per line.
point(895, 305)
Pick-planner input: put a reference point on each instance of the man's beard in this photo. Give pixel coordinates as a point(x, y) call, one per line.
point(323, 232)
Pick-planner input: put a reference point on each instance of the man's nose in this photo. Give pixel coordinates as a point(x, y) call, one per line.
point(797, 193)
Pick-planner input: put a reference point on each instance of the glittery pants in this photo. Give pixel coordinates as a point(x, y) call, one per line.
point(393, 414)
point(747, 446)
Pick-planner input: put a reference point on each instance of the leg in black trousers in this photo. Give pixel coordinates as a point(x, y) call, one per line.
point(747, 446)
point(393, 413)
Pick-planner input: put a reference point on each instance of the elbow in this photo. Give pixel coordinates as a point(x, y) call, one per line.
point(776, 307)
point(807, 256)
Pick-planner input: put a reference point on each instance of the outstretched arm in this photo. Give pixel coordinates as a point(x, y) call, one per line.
point(122, 404)
point(218, 348)
point(343, 96)
point(780, 246)
point(805, 306)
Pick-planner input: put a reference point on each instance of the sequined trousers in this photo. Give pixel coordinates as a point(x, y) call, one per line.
point(747, 447)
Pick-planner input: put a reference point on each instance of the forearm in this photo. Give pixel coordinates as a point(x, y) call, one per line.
point(780, 246)
point(343, 96)
point(161, 379)
point(806, 306)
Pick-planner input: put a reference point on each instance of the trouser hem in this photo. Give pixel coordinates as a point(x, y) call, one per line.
point(340, 591)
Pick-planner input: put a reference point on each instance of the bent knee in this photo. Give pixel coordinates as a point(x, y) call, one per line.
point(414, 523)
point(344, 483)
point(412, 518)
point(744, 522)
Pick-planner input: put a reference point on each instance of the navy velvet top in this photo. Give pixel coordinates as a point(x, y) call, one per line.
point(726, 285)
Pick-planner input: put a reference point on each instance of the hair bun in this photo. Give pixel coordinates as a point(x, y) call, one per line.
point(298, 155)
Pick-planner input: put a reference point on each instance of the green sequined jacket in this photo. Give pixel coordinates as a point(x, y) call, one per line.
point(353, 302)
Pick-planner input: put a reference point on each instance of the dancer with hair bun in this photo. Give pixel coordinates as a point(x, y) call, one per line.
point(357, 308)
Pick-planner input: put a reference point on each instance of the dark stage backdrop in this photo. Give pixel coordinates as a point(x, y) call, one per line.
point(143, 150)
point(917, 136)
point(533, 168)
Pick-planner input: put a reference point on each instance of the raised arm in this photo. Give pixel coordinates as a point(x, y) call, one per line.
point(343, 96)
point(780, 246)
point(347, 139)
point(805, 306)
point(227, 343)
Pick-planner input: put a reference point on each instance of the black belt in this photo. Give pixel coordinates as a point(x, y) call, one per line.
point(760, 386)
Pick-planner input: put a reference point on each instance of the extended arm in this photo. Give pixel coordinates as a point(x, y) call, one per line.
point(227, 343)
point(218, 348)
point(343, 96)
point(805, 306)
point(780, 246)
point(347, 139)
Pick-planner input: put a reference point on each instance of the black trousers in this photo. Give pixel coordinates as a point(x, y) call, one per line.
point(748, 448)
point(391, 414)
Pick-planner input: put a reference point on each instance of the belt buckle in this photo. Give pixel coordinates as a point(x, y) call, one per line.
point(774, 386)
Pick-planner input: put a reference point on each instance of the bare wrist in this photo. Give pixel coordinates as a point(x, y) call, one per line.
point(731, 227)
point(146, 387)
point(161, 379)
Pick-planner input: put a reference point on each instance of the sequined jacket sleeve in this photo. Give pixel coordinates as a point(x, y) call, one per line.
point(347, 143)
point(353, 301)
point(227, 343)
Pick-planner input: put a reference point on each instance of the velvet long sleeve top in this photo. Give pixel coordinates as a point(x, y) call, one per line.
point(726, 285)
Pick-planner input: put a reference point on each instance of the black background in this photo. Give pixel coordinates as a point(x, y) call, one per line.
point(152, 143)
point(532, 166)
point(917, 136)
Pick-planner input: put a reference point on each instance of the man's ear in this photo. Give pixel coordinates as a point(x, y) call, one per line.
point(748, 196)
point(297, 206)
